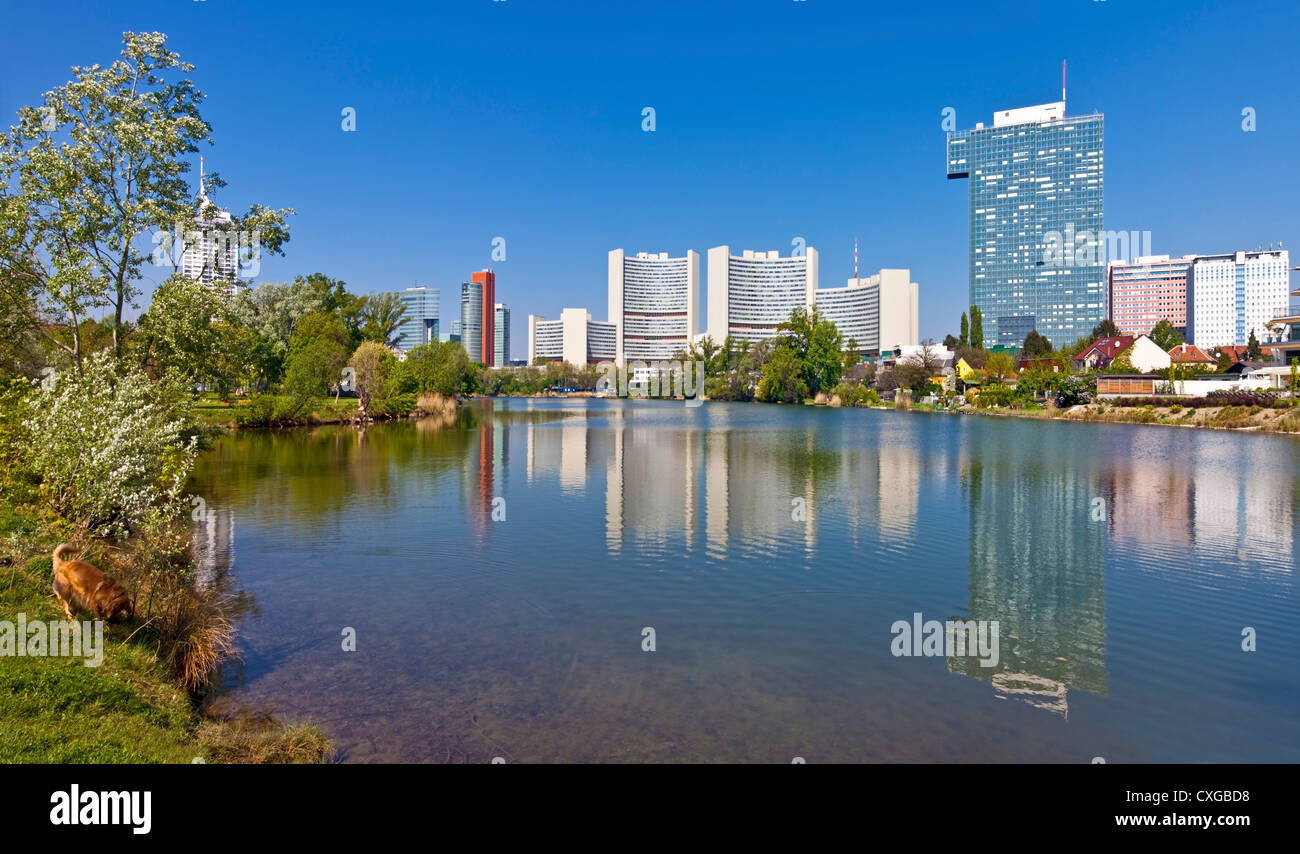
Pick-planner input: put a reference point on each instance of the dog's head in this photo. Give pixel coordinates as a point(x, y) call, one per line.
point(112, 602)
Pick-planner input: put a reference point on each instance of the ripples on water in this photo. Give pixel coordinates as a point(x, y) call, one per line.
point(771, 549)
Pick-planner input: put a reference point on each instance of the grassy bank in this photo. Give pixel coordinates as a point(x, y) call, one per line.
point(1250, 419)
point(128, 709)
point(270, 410)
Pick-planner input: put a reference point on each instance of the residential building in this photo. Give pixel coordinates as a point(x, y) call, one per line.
point(1102, 352)
point(1146, 356)
point(1234, 294)
point(1141, 352)
point(654, 301)
point(1036, 222)
point(574, 338)
point(501, 346)
point(752, 293)
point(211, 251)
point(423, 307)
point(1191, 356)
point(1144, 292)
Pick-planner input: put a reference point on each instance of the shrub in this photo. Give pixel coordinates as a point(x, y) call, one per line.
point(856, 394)
point(110, 446)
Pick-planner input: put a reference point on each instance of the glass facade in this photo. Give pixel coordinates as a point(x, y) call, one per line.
point(423, 306)
point(501, 356)
point(1036, 225)
point(471, 319)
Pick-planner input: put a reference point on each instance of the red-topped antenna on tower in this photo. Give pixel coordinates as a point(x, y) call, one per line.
point(855, 257)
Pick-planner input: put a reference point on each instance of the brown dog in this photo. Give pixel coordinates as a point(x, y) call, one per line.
point(83, 586)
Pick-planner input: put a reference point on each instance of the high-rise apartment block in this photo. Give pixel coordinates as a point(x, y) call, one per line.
point(1231, 295)
point(1143, 292)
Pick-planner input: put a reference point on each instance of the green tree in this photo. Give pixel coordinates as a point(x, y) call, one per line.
point(186, 331)
point(976, 327)
point(1105, 329)
point(951, 341)
point(444, 368)
point(783, 378)
point(1252, 348)
point(382, 315)
point(1223, 362)
point(1165, 336)
point(100, 163)
point(317, 353)
point(964, 339)
point(1000, 365)
point(1295, 375)
point(816, 344)
point(1036, 346)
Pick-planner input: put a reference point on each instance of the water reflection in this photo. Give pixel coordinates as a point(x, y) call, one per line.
point(773, 546)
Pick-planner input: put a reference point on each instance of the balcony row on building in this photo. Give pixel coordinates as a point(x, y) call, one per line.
point(1212, 300)
point(654, 306)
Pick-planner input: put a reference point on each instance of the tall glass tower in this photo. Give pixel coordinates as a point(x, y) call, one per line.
point(421, 325)
point(502, 355)
point(1037, 243)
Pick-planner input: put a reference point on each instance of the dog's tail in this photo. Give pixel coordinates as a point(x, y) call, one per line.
point(60, 549)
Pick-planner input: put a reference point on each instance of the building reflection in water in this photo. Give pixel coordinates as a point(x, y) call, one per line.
point(1037, 567)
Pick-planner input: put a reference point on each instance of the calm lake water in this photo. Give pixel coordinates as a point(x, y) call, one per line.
point(771, 549)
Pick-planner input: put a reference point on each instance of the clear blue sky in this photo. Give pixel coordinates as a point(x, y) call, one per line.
point(775, 119)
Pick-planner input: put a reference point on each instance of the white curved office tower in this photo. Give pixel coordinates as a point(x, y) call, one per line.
point(878, 313)
point(749, 294)
point(574, 338)
point(654, 301)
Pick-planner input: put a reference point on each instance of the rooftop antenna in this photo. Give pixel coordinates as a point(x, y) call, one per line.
point(1062, 81)
point(855, 257)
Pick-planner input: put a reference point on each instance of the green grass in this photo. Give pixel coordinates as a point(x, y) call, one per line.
point(128, 709)
point(211, 410)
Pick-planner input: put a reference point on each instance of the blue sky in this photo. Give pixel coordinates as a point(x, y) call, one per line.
point(776, 119)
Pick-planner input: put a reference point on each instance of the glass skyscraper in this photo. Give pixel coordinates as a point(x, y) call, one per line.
point(471, 319)
point(502, 354)
point(421, 325)
point(1037, 244)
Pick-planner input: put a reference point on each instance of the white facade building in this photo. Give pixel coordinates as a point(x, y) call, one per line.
point(1231, 295)
point(879, 313)
point(574, 338)
point(751, 293)
point(211, 250)
point(654, 302)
